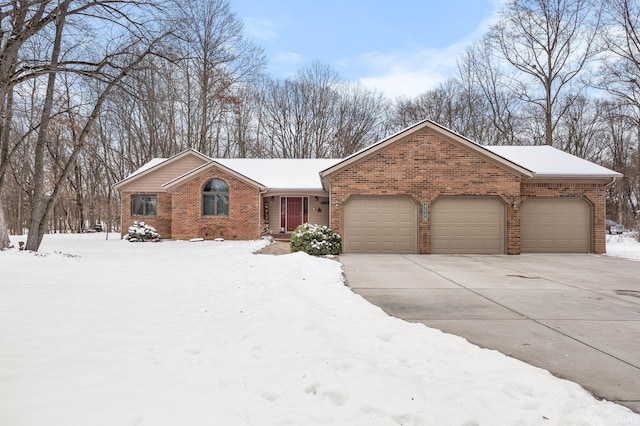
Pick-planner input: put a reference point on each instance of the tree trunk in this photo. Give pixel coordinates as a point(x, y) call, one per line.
point(637, 212)
point(108, 227)
point(6, 109)
point(548, 113)
point(37, 227)
point(4, 231)
point(81, 139)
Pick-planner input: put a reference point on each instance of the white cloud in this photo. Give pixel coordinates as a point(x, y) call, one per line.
point(262, 29)
point(287, 58)
point(407, 74)
point(404, 84)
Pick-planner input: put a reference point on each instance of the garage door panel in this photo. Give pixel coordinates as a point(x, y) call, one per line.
point(380, 224)
point(555, 225)
point(467, 225)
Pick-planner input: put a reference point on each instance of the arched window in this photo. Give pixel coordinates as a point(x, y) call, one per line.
point(215, 198)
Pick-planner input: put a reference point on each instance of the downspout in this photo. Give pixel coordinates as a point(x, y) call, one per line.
point(604, 219)
point(260, 213)
point(121, 217)
point(330, 206)
point(327, 183)
point(613, 179)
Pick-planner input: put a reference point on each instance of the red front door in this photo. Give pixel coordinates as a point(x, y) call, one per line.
point(294, 213)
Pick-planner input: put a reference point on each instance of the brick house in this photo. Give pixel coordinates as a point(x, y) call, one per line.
point(192, 196)
point(423, 190)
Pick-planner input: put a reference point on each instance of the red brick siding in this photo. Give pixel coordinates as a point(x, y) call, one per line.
point(162, 220)
point(245, 216)
point(424, 166)
point(594, 193)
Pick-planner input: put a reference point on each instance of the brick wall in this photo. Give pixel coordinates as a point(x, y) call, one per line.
point(424, 165)
point(594, 193)
point(245, 215)
point(162, 220)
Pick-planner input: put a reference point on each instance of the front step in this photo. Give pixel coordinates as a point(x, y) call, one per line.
point(280, 237)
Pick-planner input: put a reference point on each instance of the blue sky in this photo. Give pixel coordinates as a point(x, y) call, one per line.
point(402, 47)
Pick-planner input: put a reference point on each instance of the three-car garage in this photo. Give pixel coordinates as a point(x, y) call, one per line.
point(466, 225)
point(429, 190)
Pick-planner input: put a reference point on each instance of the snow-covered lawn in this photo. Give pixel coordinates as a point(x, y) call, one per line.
point(112, 333)
point(625, 245)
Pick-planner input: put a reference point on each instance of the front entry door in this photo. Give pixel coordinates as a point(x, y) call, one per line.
point(294, 213)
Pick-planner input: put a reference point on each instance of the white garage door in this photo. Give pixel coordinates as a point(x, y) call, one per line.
point(555, 225)
point(467, 225)
point(380, 225)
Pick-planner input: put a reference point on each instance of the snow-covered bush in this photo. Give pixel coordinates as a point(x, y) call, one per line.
point(140, 231)
point(315, 240)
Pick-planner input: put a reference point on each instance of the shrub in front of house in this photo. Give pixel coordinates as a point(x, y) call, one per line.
point(140, 231)
point(316, 240)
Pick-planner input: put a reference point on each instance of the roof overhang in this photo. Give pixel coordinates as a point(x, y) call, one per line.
point(296, 191)
point(572, 178)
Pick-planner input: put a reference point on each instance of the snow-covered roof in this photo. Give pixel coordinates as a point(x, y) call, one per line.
point(152, 163)
point(546, 161)
point(529, 161)
point(281, 173)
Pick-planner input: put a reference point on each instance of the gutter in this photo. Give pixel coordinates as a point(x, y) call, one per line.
point(613, 179)
point(577, 176)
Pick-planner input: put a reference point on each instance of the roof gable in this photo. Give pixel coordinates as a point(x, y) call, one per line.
point(157, 164)
point(447, 134)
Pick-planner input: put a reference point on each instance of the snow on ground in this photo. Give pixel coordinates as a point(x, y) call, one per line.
point(96, 332)
point(625, 245)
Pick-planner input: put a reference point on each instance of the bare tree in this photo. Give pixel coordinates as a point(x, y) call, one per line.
point(359, 120)
point(317, 115)
point(216, 60)
point(57, 27)
point(621, 68)
point(501, 110)
point(39, 209)
point(456, 104)
point(580, 131)
point(620, 152)
point(549, 43)
point(620, 76)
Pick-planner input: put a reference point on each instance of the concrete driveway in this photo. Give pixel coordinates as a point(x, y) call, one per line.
point(577, 316)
